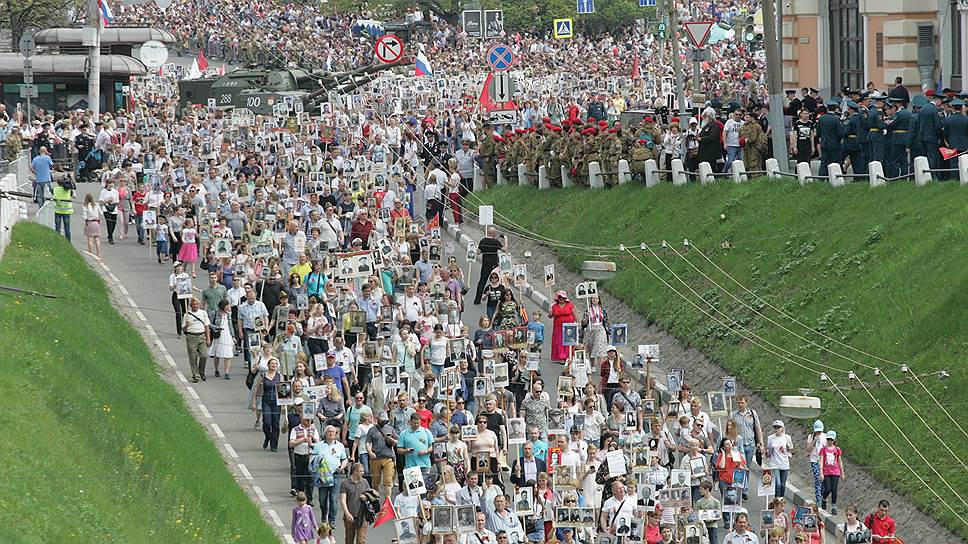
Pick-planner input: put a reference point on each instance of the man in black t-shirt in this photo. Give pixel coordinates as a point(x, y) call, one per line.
point(802, 137)
point(489, 247)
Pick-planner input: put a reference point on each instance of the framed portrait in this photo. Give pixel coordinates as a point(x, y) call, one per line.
point(501, 375)
point(284, 394)
point(406, 530)
point(442, 519)
point(466, 519)
point(569, 335)
point(729, 386)
point(468, 432)
point(717, 403)
point(674, 380)
point(524, 501)
point(413, 482)
point(516, 431)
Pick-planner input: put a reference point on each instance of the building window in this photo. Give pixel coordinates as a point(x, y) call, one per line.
point(846, 44)
point(879, 49)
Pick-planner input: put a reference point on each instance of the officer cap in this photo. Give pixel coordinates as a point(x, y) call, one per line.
point(957, 103)
point(852, 104)
point(831, 103)
point(919, 101)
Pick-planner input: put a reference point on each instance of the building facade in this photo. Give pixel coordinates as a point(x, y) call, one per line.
point(830, 44)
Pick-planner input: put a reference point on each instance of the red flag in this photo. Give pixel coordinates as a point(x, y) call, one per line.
point(487, 103)
point(635, 67)
point(202, 61)
point(948, 153)
point(386, 513)
point(434, 222)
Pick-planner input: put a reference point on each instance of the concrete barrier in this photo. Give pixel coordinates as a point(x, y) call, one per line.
point(478, 179)
point(543, 182)
point(963, 169)
point(595, 180)
point(836, 175)
point(875, 173)
point(921, 174)
point(566, 180)
point(652, 173)
point(772, 168)
point(500, 177)
point(803, 172)
point(706, 173)
point(678, 173)
point(523, 175)
point(624, 172)
point(815, 167)
point(738, 169)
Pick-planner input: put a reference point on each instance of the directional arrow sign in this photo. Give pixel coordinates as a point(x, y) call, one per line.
point(501, 90)
point(389, 48)
point(698, 32)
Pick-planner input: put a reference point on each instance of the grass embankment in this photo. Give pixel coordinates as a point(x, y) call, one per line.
point(96, 446)
point(883, 270)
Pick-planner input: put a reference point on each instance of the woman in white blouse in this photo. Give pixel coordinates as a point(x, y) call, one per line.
point(92, 225)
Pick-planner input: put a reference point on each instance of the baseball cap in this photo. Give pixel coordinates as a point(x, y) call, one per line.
point(330, 354)
point(298, 401)
point(818, 426)
point(778, 423)
point(831, 435)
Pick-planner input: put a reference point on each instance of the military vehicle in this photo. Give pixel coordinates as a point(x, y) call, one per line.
point(258, 89)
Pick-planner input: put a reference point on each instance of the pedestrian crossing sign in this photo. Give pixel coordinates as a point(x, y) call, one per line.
point(563, 28)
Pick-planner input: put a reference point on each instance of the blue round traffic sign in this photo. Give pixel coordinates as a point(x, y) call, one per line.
point(500, 57)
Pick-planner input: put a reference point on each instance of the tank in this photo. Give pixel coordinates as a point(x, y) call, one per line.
point(258, 89)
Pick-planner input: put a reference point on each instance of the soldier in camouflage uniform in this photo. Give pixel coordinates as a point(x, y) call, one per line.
point(611, 154)
point(488, 152)
point(653, 142)
point(638, 155)
point(754, 143)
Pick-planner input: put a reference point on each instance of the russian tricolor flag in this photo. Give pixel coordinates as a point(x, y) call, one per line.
point(106, 14)
point(423, 66)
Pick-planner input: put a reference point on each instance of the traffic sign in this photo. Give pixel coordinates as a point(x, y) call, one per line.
point(698, 31)
point(27, 45)
point(504, 117)
point(28, 91)
point(500, 57)
point(501, 88)
point(585, 7)
point(153, 53)
point(389, 48)
point(662, 30)
point(646, 3)
point(563, 28)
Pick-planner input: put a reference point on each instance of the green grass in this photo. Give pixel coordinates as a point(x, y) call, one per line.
point(96, 446)
point(883, 270)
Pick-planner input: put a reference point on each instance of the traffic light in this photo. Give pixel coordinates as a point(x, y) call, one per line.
point(749, 31)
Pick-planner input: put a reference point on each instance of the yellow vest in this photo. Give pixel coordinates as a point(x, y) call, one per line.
point(62, 200)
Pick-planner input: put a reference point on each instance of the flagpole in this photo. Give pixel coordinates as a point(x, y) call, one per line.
point(94, 61)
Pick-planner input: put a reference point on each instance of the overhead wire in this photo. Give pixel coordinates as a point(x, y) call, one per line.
point(765, 302)
point(813, 343)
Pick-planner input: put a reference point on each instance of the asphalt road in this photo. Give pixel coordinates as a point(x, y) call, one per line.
point(141, 288)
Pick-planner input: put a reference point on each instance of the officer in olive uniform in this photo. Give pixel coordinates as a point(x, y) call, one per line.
point(928, 131)
point(488, 153)
point(955, 128)
point(611, 154)
point(852, 146)
point(830, 132)
point(875, 129)
point(899, 130)
point(863, 135)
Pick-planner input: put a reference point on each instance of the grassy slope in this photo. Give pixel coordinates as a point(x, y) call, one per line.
point(96, 447)
point(883, 270)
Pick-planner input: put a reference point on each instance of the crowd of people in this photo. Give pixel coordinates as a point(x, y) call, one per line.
point(363, 350)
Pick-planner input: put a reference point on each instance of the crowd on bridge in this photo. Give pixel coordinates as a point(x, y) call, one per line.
point(332, 299)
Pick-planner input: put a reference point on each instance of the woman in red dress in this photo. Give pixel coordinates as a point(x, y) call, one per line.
point(562, 311)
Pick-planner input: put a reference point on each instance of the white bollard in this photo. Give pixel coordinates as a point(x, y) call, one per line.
point(772, 168)
point(500, 176)
point(875, 173)
point(678, 173)
point(706, 173)
point(624, 172)
point(963, 169)
point(478, 179)
point(738, 169)
point(921, 174)
point(804, 172)
point(815, 168)
point(595, 180)
point(543, 182)
point(522, 175)
point(836, 174)
point(566, 180)
point(651, 173)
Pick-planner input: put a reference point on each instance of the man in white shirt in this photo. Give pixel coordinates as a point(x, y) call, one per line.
point(616, 516)
point(331, 230)
point(198, 336)
point(301, 440)
point(731, 130)
point(481, 534)
point(741, 533)
point(345, 358)
point(410, 306)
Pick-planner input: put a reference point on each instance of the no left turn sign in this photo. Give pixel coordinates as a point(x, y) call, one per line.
point(389, 48)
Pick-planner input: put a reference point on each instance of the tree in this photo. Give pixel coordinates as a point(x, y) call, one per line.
point(20, 15)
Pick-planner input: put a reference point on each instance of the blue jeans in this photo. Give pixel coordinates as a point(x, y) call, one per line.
point(780, 479)
point(329, 501)
point(40, 190)
point(63, 219)
point(732, 153)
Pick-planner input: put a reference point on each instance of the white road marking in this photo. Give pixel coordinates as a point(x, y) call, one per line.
point(231, 450)
point(123, 289)
point(275, 517)
point(204, 410)
point(181, 376)
point(245, 472)
point(193, 393)
point(142, 317)
point(260, 494)
point(218, 430)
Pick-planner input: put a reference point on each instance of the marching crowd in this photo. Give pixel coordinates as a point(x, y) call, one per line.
point(364, 352)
